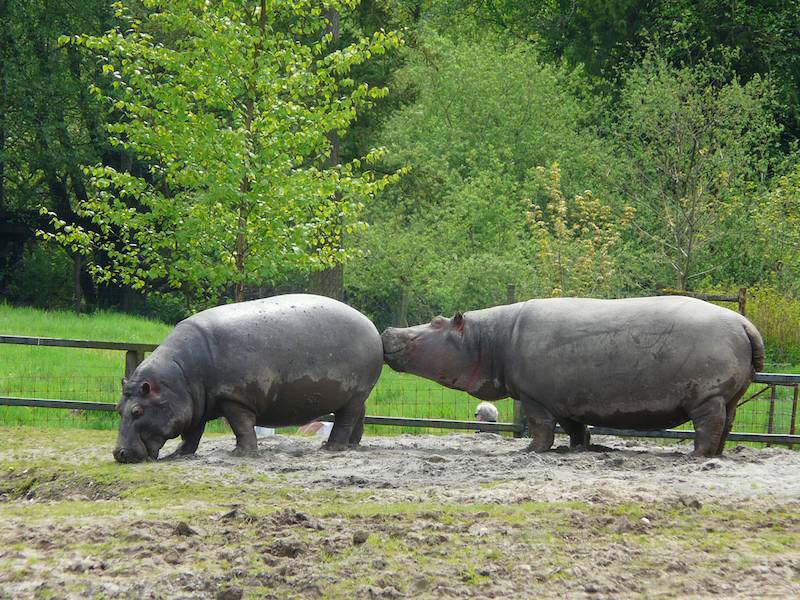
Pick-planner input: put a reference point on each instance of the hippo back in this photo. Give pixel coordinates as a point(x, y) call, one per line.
point(294, 357)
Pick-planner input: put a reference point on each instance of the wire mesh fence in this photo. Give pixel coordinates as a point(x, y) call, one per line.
point(94, 375)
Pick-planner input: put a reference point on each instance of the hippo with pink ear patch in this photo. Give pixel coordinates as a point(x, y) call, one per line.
point(273, 362)
point(637, 363)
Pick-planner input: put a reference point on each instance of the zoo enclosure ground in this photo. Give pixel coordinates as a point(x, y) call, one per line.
point(453, 516)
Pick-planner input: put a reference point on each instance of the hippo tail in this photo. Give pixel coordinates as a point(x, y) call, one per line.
point(756, 344)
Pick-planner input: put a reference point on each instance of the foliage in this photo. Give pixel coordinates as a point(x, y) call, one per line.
point(778, 222)
point(777, 317)
point(230, 106)
point(41, 278)
point(576, 239)
point(609, 37)
point(699, 146)
point(48, 123)
point(453, 233)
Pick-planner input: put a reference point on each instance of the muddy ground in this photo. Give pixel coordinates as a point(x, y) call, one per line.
point(411, 516)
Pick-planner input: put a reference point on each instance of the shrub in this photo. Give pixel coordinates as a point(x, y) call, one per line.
point(777, 317)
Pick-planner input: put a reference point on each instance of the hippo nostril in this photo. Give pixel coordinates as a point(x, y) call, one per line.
point(119, 454)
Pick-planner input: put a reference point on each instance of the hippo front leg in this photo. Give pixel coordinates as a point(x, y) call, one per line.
point(190, 439)
point(243, 421)
point(541, 425)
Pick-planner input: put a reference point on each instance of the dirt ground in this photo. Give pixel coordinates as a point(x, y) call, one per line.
point(416, 516)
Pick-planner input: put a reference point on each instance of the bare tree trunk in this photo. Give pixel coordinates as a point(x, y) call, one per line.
point(77, 292)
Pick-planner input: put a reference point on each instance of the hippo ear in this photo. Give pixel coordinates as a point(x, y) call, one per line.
point(145, 389)
point(458, 322)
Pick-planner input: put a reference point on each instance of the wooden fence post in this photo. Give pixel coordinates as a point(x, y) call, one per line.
point(519, 419)
point(792, 426)
point(743, 301)
point(773, 395)
point(132, 360)
point(511, 293)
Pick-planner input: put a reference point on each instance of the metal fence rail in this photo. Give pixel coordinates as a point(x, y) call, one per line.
point(773, 416)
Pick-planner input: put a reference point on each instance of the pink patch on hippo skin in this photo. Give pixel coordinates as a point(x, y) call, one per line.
point(149, 388)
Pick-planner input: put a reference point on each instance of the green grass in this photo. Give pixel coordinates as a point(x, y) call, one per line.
point(94, 375)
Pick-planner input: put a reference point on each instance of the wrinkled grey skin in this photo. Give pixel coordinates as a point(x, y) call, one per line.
point(639, 363)
point(273, 362)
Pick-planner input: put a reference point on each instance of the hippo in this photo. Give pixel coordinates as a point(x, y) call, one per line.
point(636, 363)
point(272, 362)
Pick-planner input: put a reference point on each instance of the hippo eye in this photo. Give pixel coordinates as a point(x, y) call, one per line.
point(137, 411)
point(438, 322)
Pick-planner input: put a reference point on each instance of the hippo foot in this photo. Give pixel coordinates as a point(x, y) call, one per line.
point(532, 447)
point(244, 452)
point(335, 447)
point(179, 455)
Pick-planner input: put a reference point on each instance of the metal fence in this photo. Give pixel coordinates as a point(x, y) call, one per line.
point(86, 386)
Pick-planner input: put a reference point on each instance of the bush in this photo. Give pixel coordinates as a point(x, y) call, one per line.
point(42, 278)
point(778, 319)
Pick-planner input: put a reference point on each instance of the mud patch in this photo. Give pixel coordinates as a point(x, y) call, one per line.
point(36, 484)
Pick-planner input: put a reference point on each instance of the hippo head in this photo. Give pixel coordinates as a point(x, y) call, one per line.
point(151, 412)
point(440, 350)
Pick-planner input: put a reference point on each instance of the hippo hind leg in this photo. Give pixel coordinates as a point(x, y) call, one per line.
point(578, 433)
point(358, 428)
point(348, 424)
point(730, 416)
point(709, 418)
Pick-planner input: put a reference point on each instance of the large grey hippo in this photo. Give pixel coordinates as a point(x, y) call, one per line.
point(272, 362)
point(642, 363)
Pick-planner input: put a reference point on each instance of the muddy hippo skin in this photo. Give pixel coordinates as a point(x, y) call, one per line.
point(640, 363)
point(273, 362)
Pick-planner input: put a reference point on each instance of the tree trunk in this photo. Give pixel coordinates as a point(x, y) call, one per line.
point(2, 163)
point(77, 292)
point(330, 281)
point(401, 317)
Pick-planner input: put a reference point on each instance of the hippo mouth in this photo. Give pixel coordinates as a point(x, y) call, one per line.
point(131, 455)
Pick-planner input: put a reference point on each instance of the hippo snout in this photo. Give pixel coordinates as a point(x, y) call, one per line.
point(393, 340)
point(126, 455)
point(122, 455)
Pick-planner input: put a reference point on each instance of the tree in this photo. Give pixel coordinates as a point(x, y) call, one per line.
point(452, 234)
point(49, 126)
point(229, 105)
point(576, 239)
point(699, 144)
point(778, 223)
point(609, 37)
